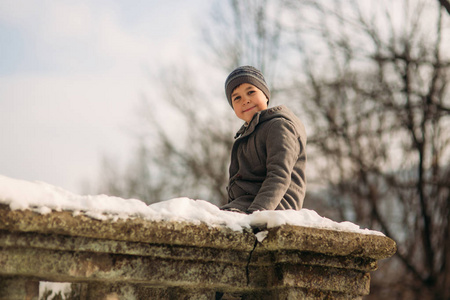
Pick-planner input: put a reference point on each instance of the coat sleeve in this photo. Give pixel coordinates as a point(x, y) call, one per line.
point(283, 151)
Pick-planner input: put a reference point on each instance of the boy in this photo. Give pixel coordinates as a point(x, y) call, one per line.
point(268, 158)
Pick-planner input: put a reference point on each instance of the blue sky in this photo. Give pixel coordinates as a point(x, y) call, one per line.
point(72, 74)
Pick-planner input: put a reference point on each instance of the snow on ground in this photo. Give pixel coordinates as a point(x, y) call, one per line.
point(43, 198)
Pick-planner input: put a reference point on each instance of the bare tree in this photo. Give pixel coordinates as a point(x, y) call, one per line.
point(445, 4)
point(372, 90)
point(194, 163)
point(139, 180)
point(378, 102)
point(246, 33)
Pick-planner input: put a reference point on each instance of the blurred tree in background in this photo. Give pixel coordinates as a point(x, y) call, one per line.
point(369, 80)
point(194, 160)
point(378, 103)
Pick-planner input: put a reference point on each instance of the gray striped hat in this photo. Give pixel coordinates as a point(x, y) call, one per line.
point(245, 74)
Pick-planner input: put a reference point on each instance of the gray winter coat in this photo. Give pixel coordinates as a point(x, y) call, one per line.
point(268, 159)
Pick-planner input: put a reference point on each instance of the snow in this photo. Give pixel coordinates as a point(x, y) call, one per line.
point(55, 288)
point(44, 198)
point(260, 236)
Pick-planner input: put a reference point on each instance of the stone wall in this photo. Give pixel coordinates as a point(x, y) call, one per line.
point(139, 259)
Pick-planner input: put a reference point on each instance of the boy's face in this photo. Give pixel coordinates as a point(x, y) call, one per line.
point(247, 100)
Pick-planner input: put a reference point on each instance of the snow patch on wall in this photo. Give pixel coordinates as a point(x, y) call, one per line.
point(45, 198)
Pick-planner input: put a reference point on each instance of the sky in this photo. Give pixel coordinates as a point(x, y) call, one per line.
point(72, 74)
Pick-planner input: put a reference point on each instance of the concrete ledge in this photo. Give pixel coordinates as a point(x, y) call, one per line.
point(173, 260)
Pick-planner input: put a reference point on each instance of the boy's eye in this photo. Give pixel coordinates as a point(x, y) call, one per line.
point(251, 92)
point(236, 98)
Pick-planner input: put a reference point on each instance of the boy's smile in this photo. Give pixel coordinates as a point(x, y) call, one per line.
point(246, 110)
point(247, 100)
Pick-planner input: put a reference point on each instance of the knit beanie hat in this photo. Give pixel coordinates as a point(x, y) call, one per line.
point(245, 74)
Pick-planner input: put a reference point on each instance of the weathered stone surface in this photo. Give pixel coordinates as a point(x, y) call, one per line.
point(170, 260)
point(312, 258)
point(19, 288)
point(85, 266)
point(133, 230)
point(102, 291)
point(329, 242)
point(84, 244)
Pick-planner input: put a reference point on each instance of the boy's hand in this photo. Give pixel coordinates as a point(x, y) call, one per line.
point(232, 209)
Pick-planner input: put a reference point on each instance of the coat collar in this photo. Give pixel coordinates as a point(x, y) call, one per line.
point(259, 117)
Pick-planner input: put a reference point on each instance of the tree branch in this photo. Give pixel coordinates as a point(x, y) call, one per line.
point(445, 4)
